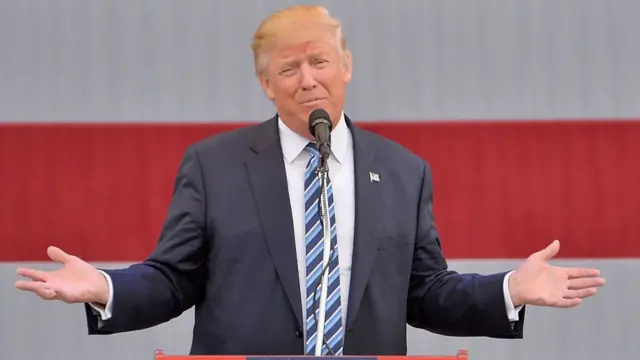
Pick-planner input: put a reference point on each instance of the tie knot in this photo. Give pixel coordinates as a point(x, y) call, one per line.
point(312, 148)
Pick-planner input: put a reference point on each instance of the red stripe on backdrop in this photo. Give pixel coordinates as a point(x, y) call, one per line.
point(502, 190)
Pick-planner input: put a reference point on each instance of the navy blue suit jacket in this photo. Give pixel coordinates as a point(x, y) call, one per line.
point(227, 248)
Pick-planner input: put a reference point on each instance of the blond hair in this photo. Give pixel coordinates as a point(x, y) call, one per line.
point(287, 20)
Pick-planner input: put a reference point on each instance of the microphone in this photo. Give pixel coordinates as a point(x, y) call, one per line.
point(320, 127)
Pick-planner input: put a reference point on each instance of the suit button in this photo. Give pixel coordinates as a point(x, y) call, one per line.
point(298, 333)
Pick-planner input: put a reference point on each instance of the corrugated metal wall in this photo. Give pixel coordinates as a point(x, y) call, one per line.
point(119, 60)
point(605, 327)
point(161, 60)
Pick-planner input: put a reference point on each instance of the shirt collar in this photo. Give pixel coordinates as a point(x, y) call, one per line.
point(293, 143)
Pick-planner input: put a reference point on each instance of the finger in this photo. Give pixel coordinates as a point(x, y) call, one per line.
point(580, 294)
point(584, 283)
point(568, 303)
point(39, 288)
point(548, 252)
point(581, 272)
point(57, 255)
point(35, 275)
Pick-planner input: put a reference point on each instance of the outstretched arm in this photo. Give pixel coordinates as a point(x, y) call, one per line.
point(449, 303)
point(172, 278)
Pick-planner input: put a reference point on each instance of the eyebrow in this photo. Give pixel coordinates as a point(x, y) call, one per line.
point(290, 61)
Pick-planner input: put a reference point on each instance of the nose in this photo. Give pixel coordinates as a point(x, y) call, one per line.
point(308, 81)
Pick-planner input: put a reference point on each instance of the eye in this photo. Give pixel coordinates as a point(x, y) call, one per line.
point(287, 71)
point(320, 62)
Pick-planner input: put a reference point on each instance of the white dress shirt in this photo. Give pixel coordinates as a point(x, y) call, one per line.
point(341, 174)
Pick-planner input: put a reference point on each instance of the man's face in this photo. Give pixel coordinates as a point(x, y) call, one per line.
point(306, 71)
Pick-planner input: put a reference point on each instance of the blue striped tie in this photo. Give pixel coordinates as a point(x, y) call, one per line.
point(315, 248)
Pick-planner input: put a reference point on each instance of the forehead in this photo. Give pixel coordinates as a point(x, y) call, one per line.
point(303, 49)
point(305, 42)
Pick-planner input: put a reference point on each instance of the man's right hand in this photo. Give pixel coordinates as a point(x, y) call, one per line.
point(76, 282)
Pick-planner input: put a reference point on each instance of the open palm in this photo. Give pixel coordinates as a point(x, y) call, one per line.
point(537, 282)
point(76, 282)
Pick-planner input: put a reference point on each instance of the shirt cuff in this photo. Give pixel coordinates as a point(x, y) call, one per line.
point(512, 313)
point(99, 309)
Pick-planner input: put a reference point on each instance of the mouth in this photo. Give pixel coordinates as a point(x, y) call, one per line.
point(311, 101)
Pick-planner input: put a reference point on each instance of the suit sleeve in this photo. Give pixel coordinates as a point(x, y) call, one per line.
point(171, 279)
point(446, 302)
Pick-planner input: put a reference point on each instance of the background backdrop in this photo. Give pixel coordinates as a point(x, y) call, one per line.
point(528, 112)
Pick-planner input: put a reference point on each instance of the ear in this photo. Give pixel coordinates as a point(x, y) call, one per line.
point(266, 86)
point(348, 66)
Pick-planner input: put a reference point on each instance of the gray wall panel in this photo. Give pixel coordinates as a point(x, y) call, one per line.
point(604, 327)
point(167, 60)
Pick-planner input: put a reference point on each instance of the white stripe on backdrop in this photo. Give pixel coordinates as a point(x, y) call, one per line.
point(604, 327)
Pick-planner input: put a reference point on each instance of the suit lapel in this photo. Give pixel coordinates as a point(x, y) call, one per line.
point(268, 179)
point(369, 217)
point(269, 183)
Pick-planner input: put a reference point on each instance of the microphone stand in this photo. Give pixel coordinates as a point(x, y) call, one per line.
point(323, 170)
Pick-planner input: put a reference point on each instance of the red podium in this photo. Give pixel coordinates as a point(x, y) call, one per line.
point(461, 355)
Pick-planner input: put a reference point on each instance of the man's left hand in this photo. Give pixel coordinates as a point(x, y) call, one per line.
point(536, 282)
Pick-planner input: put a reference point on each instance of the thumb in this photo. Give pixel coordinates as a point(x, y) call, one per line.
point(57, 255)
point(548, 252)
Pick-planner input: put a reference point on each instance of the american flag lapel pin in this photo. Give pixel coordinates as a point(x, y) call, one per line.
point(374, 177)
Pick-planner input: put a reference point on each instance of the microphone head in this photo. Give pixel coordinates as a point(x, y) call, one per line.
point(319, 116)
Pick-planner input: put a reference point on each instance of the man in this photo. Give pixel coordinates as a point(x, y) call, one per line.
point(241, 239)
